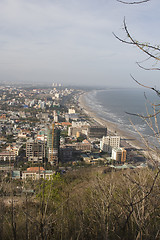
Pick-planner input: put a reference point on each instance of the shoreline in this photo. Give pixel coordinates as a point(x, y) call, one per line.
point(127, 139)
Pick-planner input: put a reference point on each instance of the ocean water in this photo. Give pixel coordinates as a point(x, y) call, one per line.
point(112, 105)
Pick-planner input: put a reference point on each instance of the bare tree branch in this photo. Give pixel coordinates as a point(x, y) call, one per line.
point(143, 117)
point(144, 68)
point(152, 88)
point(124, 2)
point(150, 191)
point(141, 46)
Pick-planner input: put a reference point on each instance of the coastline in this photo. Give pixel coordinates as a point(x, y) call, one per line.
point(127, 139)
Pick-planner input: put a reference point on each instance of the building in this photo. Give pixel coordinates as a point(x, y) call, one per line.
point(119, 154)
point(77, 131)
point(66, 124)
point(55, 116)
point(44, 116)
point(71, 110)
point(83, 146)
point(109, 142)
point(41, 135)
point(7, 156)
point(16, 175)
point(24, 133)
point(14, 148)
point(35, 151)
point(66, 153)
point(53, 143)
point(79, 123)
point(72, 116)
point(79, 146)
point(97, 132)
point(36, 173)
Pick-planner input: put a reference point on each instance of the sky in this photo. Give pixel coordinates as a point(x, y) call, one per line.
point(71, 42)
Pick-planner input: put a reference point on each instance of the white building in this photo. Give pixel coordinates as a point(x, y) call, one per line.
point(57, 95)
point(119, 154)
point(71, 110)
point(79, 123)
point(14, 148)
point(77, 131)
point(110, 142)
point(35, 173)
point(55, 116)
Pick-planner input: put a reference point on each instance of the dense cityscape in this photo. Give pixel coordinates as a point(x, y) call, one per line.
point(53, 153)
point(48, 128)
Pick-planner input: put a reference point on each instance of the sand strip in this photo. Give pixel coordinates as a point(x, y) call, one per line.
point(127, 139)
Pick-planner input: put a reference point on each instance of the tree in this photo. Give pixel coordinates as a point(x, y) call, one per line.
point(138, 203)
point(152, 53)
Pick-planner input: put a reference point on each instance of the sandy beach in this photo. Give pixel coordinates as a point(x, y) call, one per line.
point(127, 140)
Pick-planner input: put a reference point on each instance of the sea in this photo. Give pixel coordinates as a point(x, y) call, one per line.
point(122, 105)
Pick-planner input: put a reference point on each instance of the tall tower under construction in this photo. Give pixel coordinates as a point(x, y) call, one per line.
point(53, 142)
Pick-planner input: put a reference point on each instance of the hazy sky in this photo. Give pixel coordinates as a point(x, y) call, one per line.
point(71, 41)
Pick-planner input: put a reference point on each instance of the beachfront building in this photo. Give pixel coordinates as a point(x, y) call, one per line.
point(72, 116)
point(77, 131)
point(109, 142)
point(119, 154)
point(96, 132)
point(79, 123)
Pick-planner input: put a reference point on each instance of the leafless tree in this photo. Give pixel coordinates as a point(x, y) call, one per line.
point(152, 53)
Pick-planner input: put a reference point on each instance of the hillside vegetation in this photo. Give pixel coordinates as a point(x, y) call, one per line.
point(92, 203)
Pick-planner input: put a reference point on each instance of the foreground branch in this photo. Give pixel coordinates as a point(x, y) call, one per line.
point(124, 2)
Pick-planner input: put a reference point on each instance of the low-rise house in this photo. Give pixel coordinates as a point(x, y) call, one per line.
point(36, 173)
point(24, 133)
point(14, 148)
point(16, 175)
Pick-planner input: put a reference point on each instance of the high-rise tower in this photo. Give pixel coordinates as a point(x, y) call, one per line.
point(53, 142)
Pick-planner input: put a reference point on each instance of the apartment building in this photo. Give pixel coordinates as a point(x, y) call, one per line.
point(119, 154)
point(97, 132)
point(35, 151)
point(109, 142)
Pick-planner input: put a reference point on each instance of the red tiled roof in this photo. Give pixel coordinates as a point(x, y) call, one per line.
point(85, 141)
point(66, 124)
point(35, 169)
